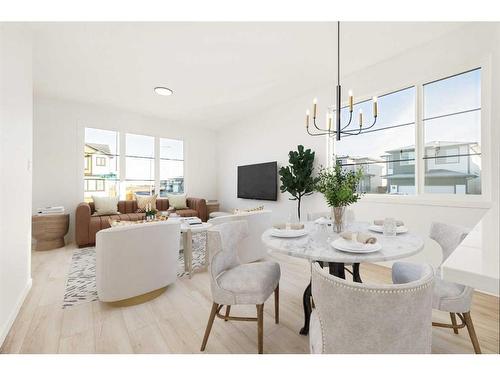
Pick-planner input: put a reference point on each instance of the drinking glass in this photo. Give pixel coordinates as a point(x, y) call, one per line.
point(389, 227)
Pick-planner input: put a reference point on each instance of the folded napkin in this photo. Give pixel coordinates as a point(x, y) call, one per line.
point(364, 238)
point(292, 226)
point(399, 223)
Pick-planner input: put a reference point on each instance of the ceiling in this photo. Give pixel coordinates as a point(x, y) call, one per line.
point(220, 72)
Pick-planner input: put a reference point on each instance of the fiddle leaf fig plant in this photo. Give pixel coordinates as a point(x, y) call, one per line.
point(297, 178)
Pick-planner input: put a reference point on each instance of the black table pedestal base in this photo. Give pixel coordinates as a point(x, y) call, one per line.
point(335, 269)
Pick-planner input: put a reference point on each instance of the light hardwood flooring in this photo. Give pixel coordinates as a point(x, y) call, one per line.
point(175, 321)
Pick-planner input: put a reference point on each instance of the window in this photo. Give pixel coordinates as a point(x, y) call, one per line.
point(450, 154)
point(171, 166)
point(100, 161)
point(139, 165)
point(140, 160)
point(386, 152)
point(101, 178)
point(452, 128)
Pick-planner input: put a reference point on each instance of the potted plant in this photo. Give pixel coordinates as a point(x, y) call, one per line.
point(340, 188)
point(297, 178)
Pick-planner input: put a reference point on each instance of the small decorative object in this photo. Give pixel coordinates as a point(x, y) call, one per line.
point(150, 212)
point(296, 178)
point(390, 227)
point(340, 188)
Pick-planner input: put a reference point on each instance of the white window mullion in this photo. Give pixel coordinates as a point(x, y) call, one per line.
point(157, 165)
point(419, 141)
point(122, 163)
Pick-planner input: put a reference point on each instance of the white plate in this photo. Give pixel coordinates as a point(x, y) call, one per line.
point(380, 229)
point(355, 247)
point(288, 233)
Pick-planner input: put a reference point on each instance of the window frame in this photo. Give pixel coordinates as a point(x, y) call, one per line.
point(483, 200)
point(122, 155)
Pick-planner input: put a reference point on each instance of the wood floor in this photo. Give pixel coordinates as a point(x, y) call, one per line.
point(175, 321)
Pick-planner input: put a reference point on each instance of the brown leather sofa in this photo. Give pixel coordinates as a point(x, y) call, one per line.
point(87, 225)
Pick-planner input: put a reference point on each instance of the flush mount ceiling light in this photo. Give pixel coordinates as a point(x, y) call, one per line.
point(163, 91)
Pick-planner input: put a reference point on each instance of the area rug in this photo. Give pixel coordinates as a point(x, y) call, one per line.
point(81, 283)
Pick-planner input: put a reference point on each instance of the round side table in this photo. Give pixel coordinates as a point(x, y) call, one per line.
point(49, 231)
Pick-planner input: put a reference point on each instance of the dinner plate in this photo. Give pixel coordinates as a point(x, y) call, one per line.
point(380, 229)
point(354, 246)
point(288, 233)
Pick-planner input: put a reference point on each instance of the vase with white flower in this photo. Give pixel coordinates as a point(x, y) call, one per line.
point(340, 188)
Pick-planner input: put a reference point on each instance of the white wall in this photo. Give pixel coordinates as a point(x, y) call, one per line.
point(16, 123)
point(268, 136)
point(58, 149)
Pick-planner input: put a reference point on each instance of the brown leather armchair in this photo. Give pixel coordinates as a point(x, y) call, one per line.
point(87, 225)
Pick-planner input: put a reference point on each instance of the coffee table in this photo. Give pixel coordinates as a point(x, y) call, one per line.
point(187, 243)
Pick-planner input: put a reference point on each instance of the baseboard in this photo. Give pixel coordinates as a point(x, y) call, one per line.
point(4, 331)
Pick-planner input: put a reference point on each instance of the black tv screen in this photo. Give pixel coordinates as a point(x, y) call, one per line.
point(258, 181)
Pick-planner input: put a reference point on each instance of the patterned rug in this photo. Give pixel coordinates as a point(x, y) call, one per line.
point(81, 284)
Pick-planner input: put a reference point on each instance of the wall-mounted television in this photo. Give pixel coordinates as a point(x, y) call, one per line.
point(258, 181)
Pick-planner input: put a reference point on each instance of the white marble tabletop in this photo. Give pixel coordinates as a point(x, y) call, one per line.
point(316, 246)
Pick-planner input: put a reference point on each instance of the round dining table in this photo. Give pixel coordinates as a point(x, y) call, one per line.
point(316, 246)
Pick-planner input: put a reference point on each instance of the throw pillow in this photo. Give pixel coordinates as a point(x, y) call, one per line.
point(144, 200)
point(105, 205)
point(177, 201)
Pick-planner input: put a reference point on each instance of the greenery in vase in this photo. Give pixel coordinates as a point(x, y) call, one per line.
point(339, 186)
point(296, 178)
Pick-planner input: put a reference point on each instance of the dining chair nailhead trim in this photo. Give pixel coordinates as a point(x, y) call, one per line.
point(371, 290)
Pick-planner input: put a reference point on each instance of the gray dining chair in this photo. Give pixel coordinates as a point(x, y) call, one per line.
point(450, 297)
point(360, 318)
point(235, 283)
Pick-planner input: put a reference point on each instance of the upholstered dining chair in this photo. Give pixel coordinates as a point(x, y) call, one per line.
point(360, 318)
point(251, 249)
point(450, 297)
point(235, 283)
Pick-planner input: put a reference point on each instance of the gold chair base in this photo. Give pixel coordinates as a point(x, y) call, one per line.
point(138, 299)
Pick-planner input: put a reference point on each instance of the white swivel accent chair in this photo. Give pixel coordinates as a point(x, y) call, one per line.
point(136, 262)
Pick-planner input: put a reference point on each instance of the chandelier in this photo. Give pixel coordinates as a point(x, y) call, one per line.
point(340, 129)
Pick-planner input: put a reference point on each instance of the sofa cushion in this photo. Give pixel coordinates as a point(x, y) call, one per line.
point(177, 201)
point(187, 212)
point(105, 205)
point(144, 200)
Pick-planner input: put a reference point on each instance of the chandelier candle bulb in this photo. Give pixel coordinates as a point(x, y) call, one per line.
point(351, 101)
point(329, 123)
point(375, 107)
point(360, 118)
point(315, 102)
point(307, 118)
